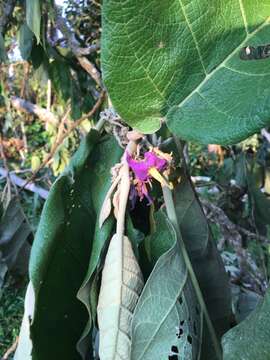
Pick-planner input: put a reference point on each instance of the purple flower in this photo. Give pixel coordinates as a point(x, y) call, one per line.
point(144, 170)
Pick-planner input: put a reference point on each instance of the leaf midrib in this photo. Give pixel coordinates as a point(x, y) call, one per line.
point(222, 64)
point(166, 314)
point(212, 73)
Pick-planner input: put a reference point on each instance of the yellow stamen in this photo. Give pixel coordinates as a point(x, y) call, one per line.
point(156, 175)
point(163, 155)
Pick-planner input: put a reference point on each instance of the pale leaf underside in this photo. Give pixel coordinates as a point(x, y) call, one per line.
point(121, 286)
point(179, 61)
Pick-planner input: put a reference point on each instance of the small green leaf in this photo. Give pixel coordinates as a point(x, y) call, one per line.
point(261, 202)
point(35, 162)
point(37, 56)
point(33, 17)
point(179, 61)
point(25, 41)
point(3, 55)
point(59, 73)
point(250, 339)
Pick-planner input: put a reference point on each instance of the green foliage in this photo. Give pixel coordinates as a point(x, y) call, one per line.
point(167, 304)
point(33, 17)
point(180, 61)
point(205, 259)
point(176, 62)
point(59, 73)
point(25, 39)
point(14, 233)
point(250, 339)
point(3, 55)
point(60, 254)
point(11, 311)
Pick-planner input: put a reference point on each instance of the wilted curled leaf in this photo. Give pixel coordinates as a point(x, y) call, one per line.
point(121, 285)
point(107, 204)
point(116, 200)
point(105, 211)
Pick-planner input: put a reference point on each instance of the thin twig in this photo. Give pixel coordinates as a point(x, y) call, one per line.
point(218, 215)
point(43, 114)
point(74, 45)
point(63, 136)
point(90, 69)
point(11, 350)
point(3, 157)
point(265, 134)
point(43, 193)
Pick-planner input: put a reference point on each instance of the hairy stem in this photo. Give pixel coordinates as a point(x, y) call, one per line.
point(124, 189)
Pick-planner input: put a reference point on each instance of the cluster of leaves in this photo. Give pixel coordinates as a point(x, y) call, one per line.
point(171, 62)
point(11, 312)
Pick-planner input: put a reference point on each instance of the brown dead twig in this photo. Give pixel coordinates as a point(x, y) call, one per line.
point(62, 135)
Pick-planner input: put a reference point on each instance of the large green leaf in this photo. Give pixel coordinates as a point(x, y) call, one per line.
point(88, 292)
point(59, 260)
point(167, 318)
point(179, 60)
point(250, 339)
point(33, 17)
point(62, 247)
point(206, 261)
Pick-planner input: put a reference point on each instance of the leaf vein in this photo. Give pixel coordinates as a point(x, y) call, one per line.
point(193, 35)
point(211, 74)
point(243, 15)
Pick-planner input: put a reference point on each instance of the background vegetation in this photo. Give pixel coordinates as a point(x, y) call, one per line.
point(47, 92)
